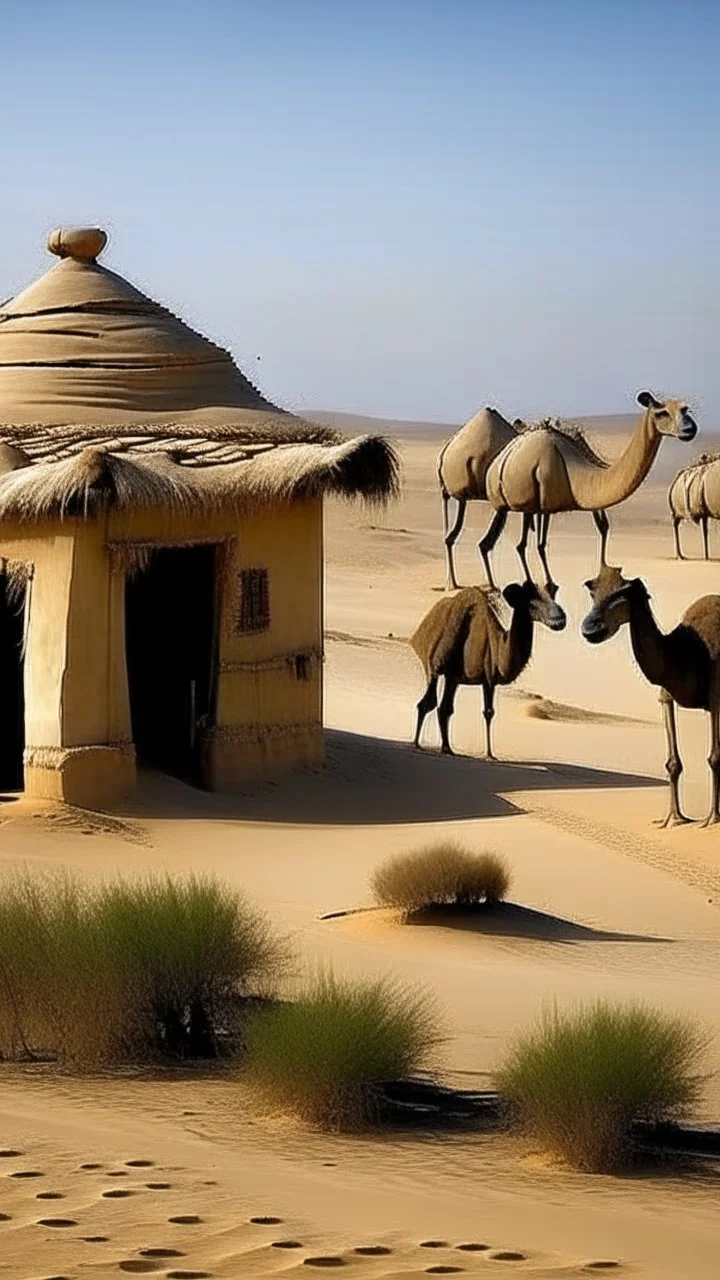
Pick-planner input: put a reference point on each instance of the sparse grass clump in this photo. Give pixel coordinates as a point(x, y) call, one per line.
point(128, 971)
point(326, 1056)
point(580, 1079)
point(442, 875)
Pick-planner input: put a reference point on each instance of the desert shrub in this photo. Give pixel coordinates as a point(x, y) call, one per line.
point(325, 1056)
point(444, 874)
point(580, 1079)
point(128, 970)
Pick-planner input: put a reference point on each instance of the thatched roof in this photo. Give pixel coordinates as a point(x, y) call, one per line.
point(108, 399)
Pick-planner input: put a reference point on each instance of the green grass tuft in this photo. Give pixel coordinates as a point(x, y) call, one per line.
point(132, 970)
point(580, 1079)
point(443, 874)
point(325, 1056)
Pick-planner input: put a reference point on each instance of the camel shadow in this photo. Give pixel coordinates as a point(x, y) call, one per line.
point(511, 920)
point(370, 781)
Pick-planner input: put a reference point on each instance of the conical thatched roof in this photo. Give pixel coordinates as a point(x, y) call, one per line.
point(106, 397)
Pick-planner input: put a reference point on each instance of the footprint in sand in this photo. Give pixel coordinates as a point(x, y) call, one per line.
point(286, 1244)
point(137, 1266)
point(91, 1166)
point(158, 1186)
point(434, 1244)
point(119, 1193)
point(328, 1260)
point(188, 1275)
point(266, 1222)
point(94, 1239)
point(372, 1250)
point(56, 1222)
point(117, 1173)
point(602, 1264)
point(442, 1269)
point(139, 1164)
point(49, 1195)
point(27, 1173)
point(5, 1217)
point(7, 1153)
point(507, 1255)
point(186, 1219)
point(161, 1253)
point(473, 1246)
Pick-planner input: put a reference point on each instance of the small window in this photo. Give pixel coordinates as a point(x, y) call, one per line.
point(254, 611)
point(302, 667)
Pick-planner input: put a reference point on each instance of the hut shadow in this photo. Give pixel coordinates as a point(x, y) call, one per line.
point(373, 781)
point(511, 920)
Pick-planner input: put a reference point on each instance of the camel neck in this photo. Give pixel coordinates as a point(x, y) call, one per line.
point(649, 643)
point(595, 488)
point(516, 646)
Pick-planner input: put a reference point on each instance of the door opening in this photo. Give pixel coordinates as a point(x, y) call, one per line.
point(171, 643)
point(12, 692)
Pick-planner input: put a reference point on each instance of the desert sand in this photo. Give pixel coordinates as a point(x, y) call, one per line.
point(150, 1174)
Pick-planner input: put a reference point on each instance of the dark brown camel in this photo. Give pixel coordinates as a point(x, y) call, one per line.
point(685, 663)
point(463, 640)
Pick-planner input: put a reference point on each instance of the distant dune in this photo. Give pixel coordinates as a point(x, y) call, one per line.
point(603, 424)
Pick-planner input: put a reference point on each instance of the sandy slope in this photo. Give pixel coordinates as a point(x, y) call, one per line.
point(602, 904)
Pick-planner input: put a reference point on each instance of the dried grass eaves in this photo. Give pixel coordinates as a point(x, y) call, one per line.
point(84, 484)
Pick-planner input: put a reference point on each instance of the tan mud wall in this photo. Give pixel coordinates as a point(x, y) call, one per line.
point(75, 677)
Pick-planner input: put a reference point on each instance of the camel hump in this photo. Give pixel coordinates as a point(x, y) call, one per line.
point(465, 458)
point(530, 474)
point(703, 617)
point(709, 485)
point(441, 635)
point(568, 433)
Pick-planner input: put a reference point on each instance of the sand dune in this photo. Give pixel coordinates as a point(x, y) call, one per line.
point(603, 904)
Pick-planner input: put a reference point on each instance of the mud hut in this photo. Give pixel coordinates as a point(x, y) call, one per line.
point(161, 546)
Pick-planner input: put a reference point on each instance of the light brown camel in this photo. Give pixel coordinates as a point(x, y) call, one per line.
point(685, 663)
point(695, 495)
point(462, 639)
point(547, 470)
point(461, 469)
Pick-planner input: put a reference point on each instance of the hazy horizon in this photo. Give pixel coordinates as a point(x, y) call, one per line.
point(405, 209)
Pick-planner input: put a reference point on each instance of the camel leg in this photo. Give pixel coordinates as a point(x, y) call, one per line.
point(445, 710)
point(528, 523)
point(713, 817)
point(488, 541)
point(673, 764)
point(676, 534)
point(488, 714)
point(706, 544)
point(451, 536)
point(427, 703)
point(602, 525)
point(543, 531)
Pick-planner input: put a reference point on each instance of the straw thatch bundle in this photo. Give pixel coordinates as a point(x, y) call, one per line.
point(95, 479)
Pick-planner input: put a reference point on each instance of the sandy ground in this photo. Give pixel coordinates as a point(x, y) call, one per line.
point(602, 903)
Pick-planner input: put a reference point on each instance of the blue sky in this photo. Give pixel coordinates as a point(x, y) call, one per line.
point(405, 208)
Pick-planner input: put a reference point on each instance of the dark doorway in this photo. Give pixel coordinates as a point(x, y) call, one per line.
point(12, 693)
point(170, 621)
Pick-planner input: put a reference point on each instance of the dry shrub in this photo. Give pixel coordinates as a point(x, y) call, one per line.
point(326, 1056)
point(132, 970)
point(579, 1080)
point(444, 874)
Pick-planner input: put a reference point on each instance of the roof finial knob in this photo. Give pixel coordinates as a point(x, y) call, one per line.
point(82, 243)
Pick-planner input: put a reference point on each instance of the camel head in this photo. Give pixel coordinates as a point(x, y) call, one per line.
point(539, 602)
point(669, 417)
point(612, 595)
